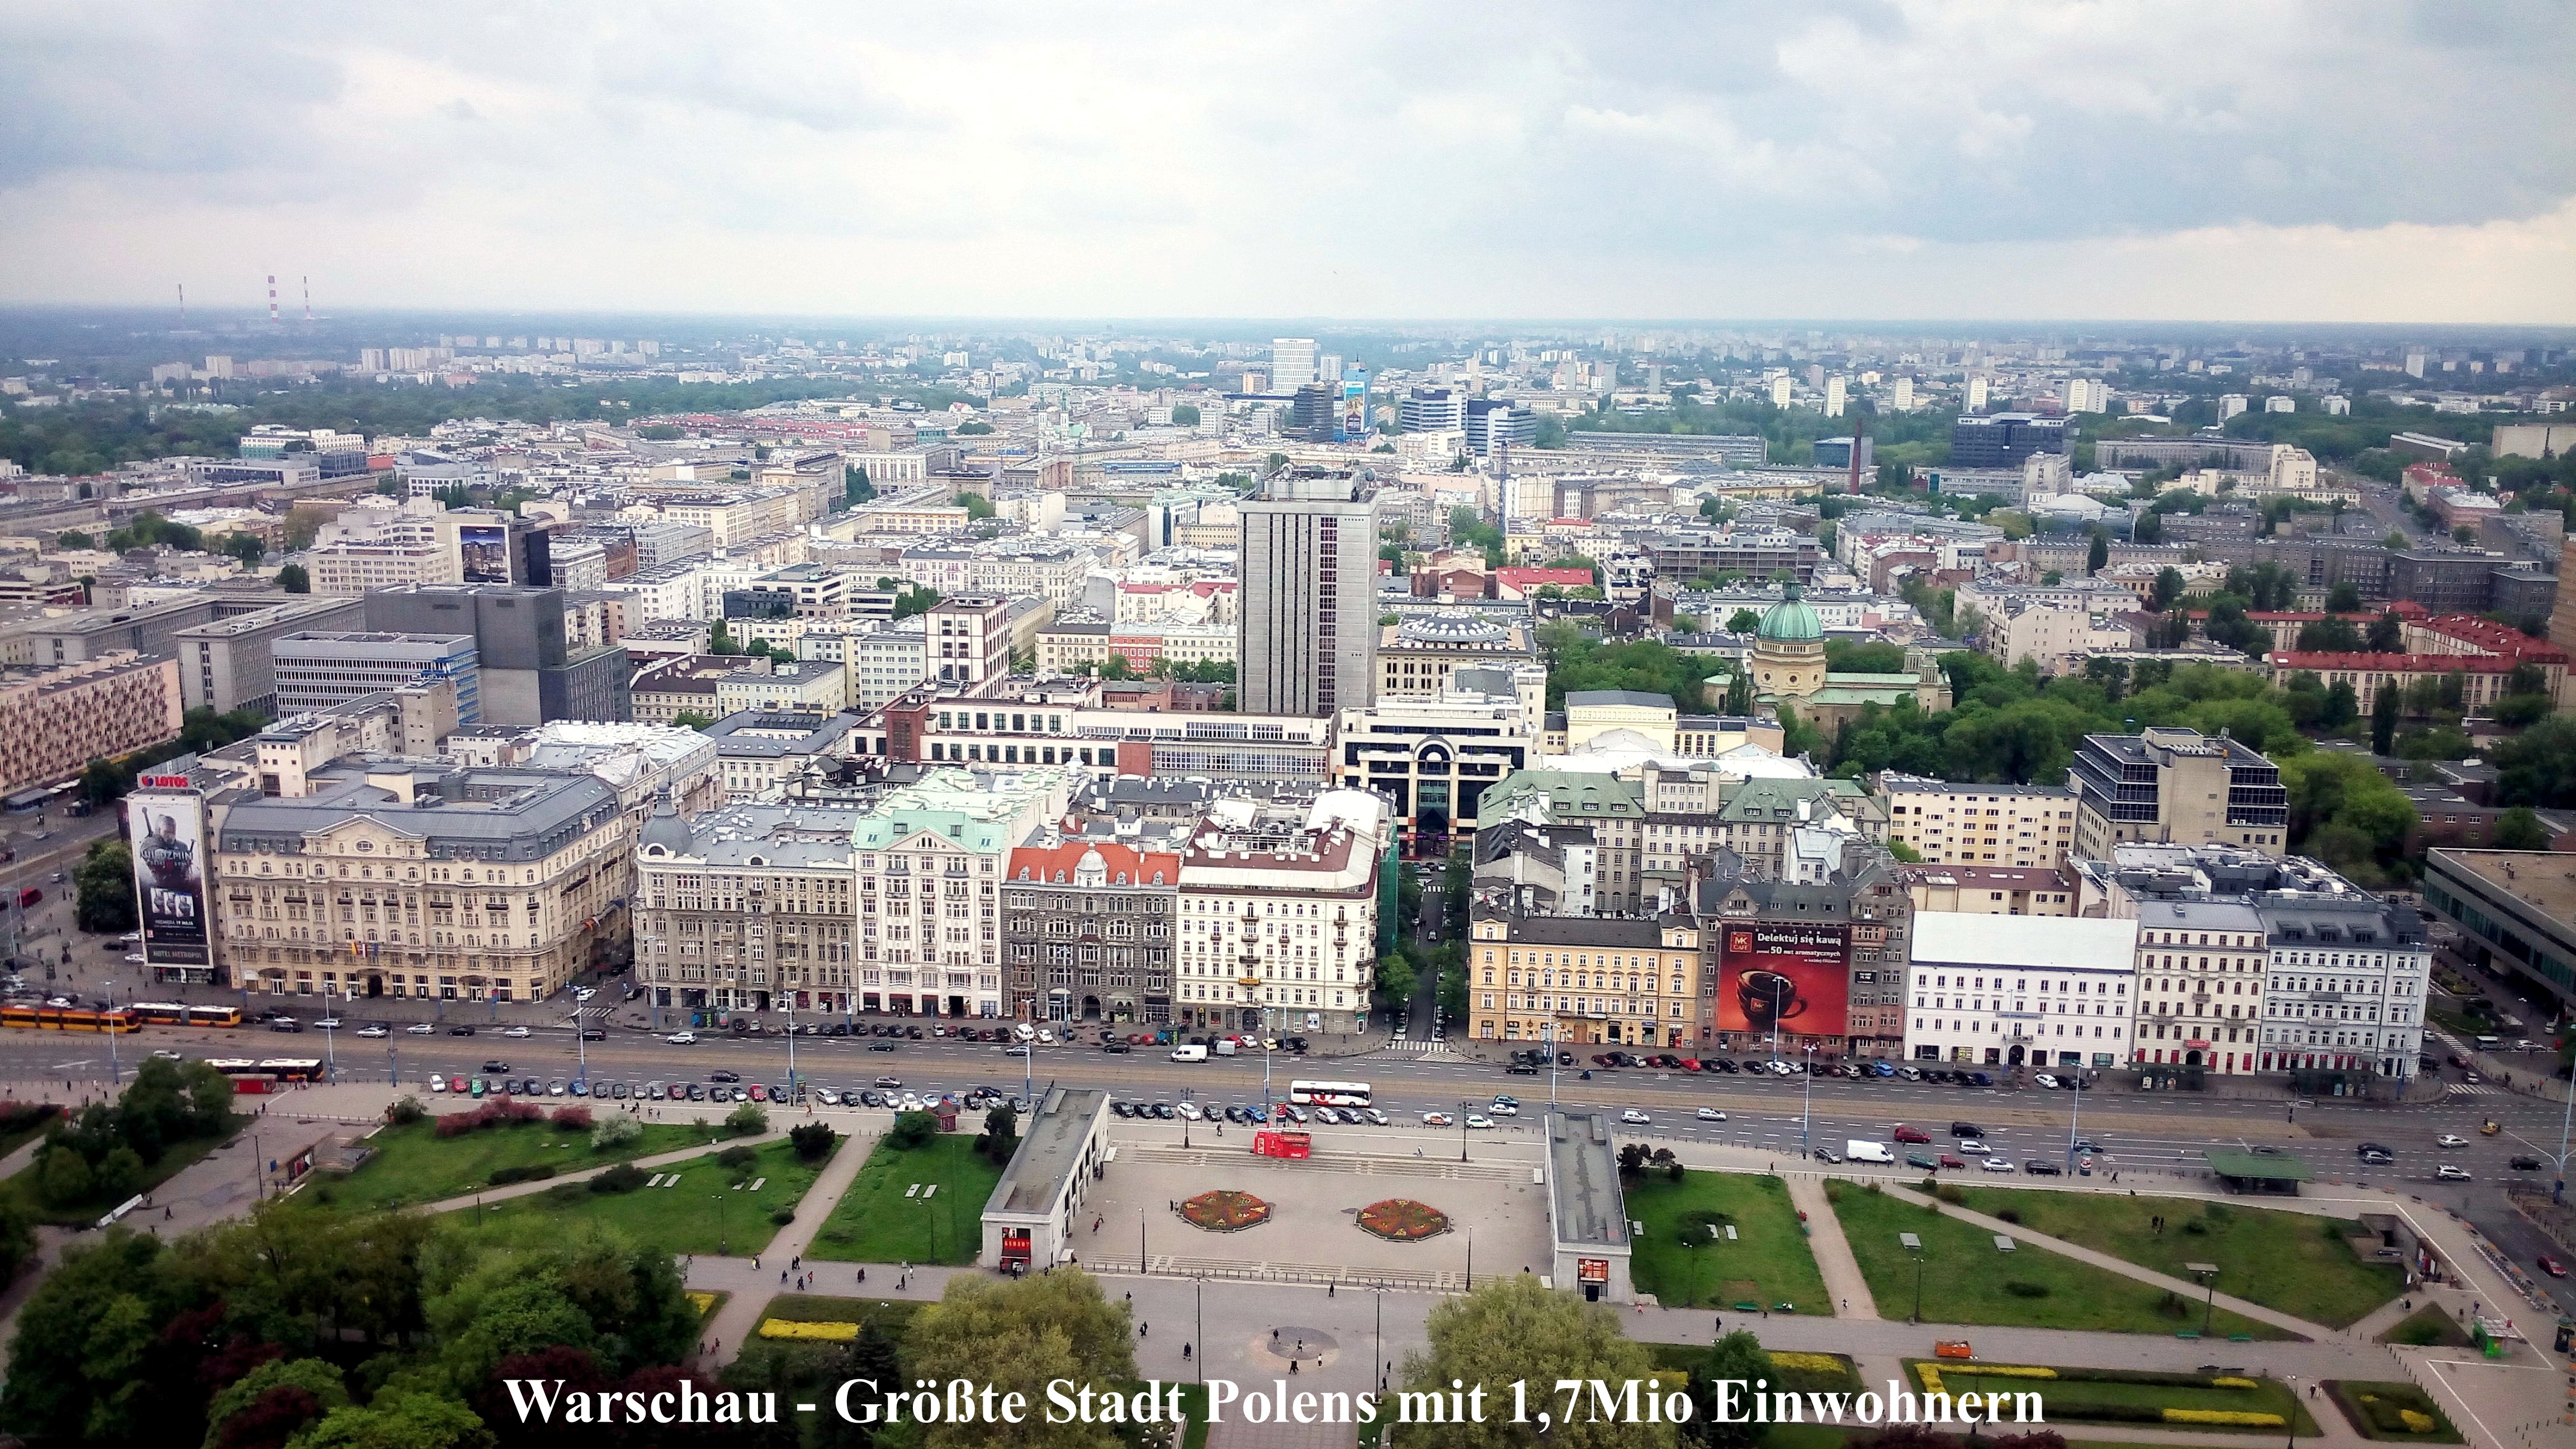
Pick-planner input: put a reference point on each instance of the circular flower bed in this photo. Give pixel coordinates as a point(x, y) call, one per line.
point(1225, 1211)
point(1402, 1220)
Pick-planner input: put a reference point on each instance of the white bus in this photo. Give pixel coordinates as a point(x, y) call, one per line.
point(1330, 1094)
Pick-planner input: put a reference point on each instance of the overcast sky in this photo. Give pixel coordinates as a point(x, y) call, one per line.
point(2246, 159)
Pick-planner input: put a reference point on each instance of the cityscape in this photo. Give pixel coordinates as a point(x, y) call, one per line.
point(565, 635)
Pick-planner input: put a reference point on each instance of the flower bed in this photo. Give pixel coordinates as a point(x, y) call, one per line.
point(1402, 1220)
point(2062, 1404)
point(1225, 1211)
point(828, 1332)
point(2398, 1411)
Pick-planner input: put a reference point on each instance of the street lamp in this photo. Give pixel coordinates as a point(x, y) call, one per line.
point(1807, 1114)
point(2208, 1275)
point(1462, 1129)
point(723, 1243)
point(1914, 1245)
point(1548, 1030)
point(2075, 1121)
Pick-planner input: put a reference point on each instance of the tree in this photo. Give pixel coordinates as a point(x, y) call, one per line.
point(721, 641)
point(977, 506)
point(2342, 706)
point(2387, 635)
point(247, 548)
point(2464, 535)
point(103, 888)
point(2147, 527)
point(2344, 598)
point(1396, 978)
point(747, 1120)
point(812, 1140)
point(282, 1394)
point(1017, 1336)
point(1739, 1358)
point(2098, 556)
point(2394, 541)
point(1512, 1329)
point(1185, 415)
point(294, 580)
point(1743, 621)
point(689, 719)
point(2329, 635)
point(1001, 1135)
point(82, 1338)
point(915, 599)
point(73, 538)
point(855, 487)
point(2538, 766)
point(2520, 829)
point(2167, 588)
point(398, 1420)
point(2383, 720)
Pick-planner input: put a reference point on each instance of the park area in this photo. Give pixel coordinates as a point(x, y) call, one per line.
point(891, 1215)
point(2397, 1413)
point(1965, 1277)
point(411, 1165)
point(731, 1201)
point(1685, 1265)
point(2214, 1402)
point(2301, 1264)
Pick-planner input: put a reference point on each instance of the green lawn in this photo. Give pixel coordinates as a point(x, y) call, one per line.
point(2372, 1409)
point(709, 1212)
point(2430, 1326)
point(2297, 1263)
point(1965, 1280)
point(1767, 1263)
point(2067, 1402)
point(42, 1121)
point(413, 1165)
point(876, 1222)
point(89, 1210)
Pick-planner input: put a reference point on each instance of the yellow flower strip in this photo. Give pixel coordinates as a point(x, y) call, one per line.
point(785, 1328)
point(2223, 1416)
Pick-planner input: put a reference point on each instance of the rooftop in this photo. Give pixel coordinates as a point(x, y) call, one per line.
point(1050, 1151)
point(2028, 943)
point(1586, 1204)
point(2543, 880)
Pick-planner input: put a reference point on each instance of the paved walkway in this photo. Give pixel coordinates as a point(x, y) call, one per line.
point(1844, 1284)
point(507, 1191)
point(754, 1281)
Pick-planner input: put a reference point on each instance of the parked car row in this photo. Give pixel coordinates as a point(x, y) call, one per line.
point(1285, 1112)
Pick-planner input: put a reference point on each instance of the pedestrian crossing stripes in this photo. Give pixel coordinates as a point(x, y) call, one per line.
point(2462, 1089)
point(1423, 1048)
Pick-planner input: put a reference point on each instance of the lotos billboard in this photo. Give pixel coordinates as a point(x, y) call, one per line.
point(1788, 975)
point(167, 834)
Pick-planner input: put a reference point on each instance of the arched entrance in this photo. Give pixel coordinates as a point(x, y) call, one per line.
point(375, 985)
point(1091, 1008)
point(2191, 1059)
point(2013, 1057)
point(1252, 1018)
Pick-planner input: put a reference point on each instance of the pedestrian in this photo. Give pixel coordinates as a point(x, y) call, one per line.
point(863, 1275)
point(1140, 1329)
point(1328, 1290)
point(1185, 1353)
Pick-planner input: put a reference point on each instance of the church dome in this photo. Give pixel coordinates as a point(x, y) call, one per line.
point(1790, 621)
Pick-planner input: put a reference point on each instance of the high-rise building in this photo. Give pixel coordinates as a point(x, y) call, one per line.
point(1316, 412)
point(1306, 636)
point(2176, 787)
point(1432, 410)
point(1976, 394)
point(2003, 440)
point(1904, 399)
point(2230, 404)
point(318, 668)
point(2088, 395)
point(1834, 396)
point(1780, 391)
point(1292, 363)
point(1491, 422)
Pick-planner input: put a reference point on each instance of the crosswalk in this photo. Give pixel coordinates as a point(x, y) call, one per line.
point(1422, 1048)
point(2463, 1089)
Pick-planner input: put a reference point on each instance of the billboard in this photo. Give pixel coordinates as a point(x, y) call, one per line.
point(1354, 425)
point(1789, 975)
point(167, 834)
point(483, 552)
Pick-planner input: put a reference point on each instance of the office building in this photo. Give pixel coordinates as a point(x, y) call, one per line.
point(317, 669)
point(230, 664)
point(967, 640)
point(1584, 980)
point(762, 754)
point(1434, 757)
point(2175, 787)
point(2003, 440)
point(529, 675)
point(1432, 410)
point(1307, 629)
point(749, 906)
point(1949, 823)
point(1493, 424)
point(443, 883)
point(1292, 363)
point(2516, 912)
point(2042, 992)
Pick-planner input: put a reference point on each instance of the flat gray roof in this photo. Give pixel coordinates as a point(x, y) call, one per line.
point(1050, 1149)
point(1584, 1201)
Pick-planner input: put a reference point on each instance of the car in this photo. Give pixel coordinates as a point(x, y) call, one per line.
point(827, 1096)
point(1634, 1118)
point(1016, 1049)
point(1478, 1121)
point(2450, 1139)
point(1917, 1159)
point(1966, 1129)
point(2551, 1266)
point(1505, 1109)
point(2526, 1163)
point(2046, 1080)
point(1376, 1117)
point(581, 1086)
point(2086, 1144)
point(1953, 1163)
point(1506, 1099)
point(880, 1046)
point(2374, 1149)
point(594, 1033)
point(872, 1099)
point(583, 993)
point(1190, 1112)
point(1995, 1164)
point(1116, 1048)
point(496, 1068)
point(2472, 1078)
point(2447, 1173)
point(1165, 1112)
point(1974, 1147)
point(682, 1038)
point(1976, 1079)
point(167, 1055)
point(1294, 1112)
point(456, 1084)
point(420, 1028)
point(696, 1092)
point(1709, 1114)
point(286, 1023)
point(722, 1075)
point(1437, 1119)
point(2040, 1167)
point(328, 1023)
point(1827, 1154)
point(476, 1087)
point(372, 1032)
point(1328, 1116)
point(2378, 1159)
point(517, 1033)
point(1911, 1134)
point(460, 1030)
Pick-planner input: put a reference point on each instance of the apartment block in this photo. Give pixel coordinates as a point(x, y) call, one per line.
point(55, 719)
point(1946, 823)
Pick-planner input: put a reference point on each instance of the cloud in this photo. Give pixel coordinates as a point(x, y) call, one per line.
point(1682, 159)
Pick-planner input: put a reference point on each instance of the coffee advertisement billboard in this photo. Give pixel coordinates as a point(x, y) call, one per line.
point(1787, 975)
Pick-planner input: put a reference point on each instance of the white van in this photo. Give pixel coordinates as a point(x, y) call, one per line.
point(1189, 1054)
point(1859, 1151)
point(1225, 1046)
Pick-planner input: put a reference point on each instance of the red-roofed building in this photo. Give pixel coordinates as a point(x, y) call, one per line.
point(2482, 676)
point(1520, 583)
point(1088, 930)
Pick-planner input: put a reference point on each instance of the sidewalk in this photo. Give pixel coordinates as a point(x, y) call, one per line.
point(752, 1281)
point(1844, 1284)
point(507, 1191)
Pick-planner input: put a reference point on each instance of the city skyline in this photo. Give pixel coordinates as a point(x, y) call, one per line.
point(2047, 163)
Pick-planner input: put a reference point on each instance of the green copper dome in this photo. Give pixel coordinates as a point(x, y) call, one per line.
point(1790, 621)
